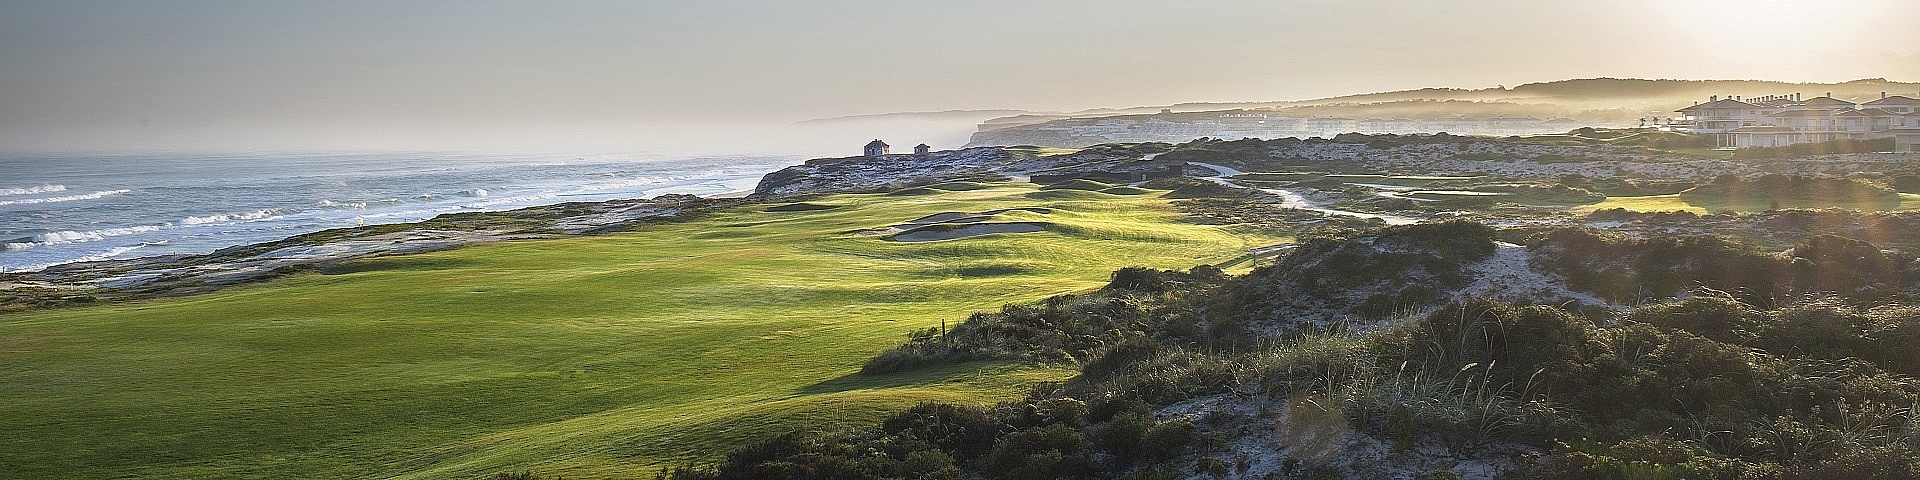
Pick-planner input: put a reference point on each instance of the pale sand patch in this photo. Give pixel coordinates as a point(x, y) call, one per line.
point(1506, 275)
point(930, 235)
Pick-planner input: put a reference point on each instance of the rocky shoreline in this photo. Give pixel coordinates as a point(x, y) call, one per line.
point(333, 250)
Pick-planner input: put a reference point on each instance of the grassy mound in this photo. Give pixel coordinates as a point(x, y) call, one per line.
point(1183, 187)
point(1126, 190)
point(1067, 195)
point(800, 207)
point(1078, 184)
point(958, 186)
point(1645, 203)
point(914, 192)
point(956, 231)
point(587, 357)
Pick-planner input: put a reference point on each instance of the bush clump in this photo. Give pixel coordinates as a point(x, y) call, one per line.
point(1788, 191)
point(1631, 270)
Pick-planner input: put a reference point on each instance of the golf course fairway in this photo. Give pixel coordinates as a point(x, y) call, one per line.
point(583, 357)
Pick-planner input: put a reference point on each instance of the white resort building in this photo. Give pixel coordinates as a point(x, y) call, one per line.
point(1779, 120)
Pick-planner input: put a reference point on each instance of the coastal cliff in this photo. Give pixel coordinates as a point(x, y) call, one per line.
point(868, 174)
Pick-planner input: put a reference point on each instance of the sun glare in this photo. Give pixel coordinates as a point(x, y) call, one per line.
point(1755, 29)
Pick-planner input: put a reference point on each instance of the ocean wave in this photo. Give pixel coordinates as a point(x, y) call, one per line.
point(107, 255)
point(510, 200)
point(622, 185)
point(70, 236)
point(413, 213)
point(230, 217)
point(344, 205)
point(68, 198)
point(33, 190)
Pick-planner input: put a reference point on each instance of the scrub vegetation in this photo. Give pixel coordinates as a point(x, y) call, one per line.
point(1811, 379)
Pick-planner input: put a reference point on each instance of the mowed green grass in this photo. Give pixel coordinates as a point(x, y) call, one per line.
point(1673, 203)
point(590, 357)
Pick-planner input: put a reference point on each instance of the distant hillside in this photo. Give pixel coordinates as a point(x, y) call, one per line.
point(1547, 107)
point(1678, 92)
point(946, 115)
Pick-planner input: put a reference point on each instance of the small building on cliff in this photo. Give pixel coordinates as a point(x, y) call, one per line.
point(876, 148)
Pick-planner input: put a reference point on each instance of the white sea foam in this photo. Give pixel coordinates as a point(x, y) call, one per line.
point(68, 198)
point(70, 236)
point(621, 185)
point(510, 200)
point(33, 190)
point(106, 255)
point(230, 217)
point(344, 205)
point(414, 213)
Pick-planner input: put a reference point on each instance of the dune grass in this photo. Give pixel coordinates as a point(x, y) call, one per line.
point(588, 357)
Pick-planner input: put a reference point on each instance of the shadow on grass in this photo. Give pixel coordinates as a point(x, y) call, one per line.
point(1877, 205)
point(930, 375)
point(401, 262)
point(801, 207)
point(849, 401)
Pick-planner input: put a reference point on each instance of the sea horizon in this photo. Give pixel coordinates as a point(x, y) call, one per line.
point(60, 208)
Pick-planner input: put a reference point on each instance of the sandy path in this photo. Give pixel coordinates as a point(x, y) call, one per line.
point(1295, 200)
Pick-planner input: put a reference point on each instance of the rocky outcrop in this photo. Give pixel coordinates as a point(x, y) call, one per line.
point(893, 172)
point(885, 172)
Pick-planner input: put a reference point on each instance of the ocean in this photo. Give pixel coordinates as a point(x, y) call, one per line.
point(57, 209)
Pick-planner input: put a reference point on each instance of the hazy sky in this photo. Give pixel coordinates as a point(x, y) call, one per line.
point(474, 74)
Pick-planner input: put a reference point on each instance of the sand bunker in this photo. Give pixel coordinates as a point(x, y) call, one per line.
point(937, 233)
